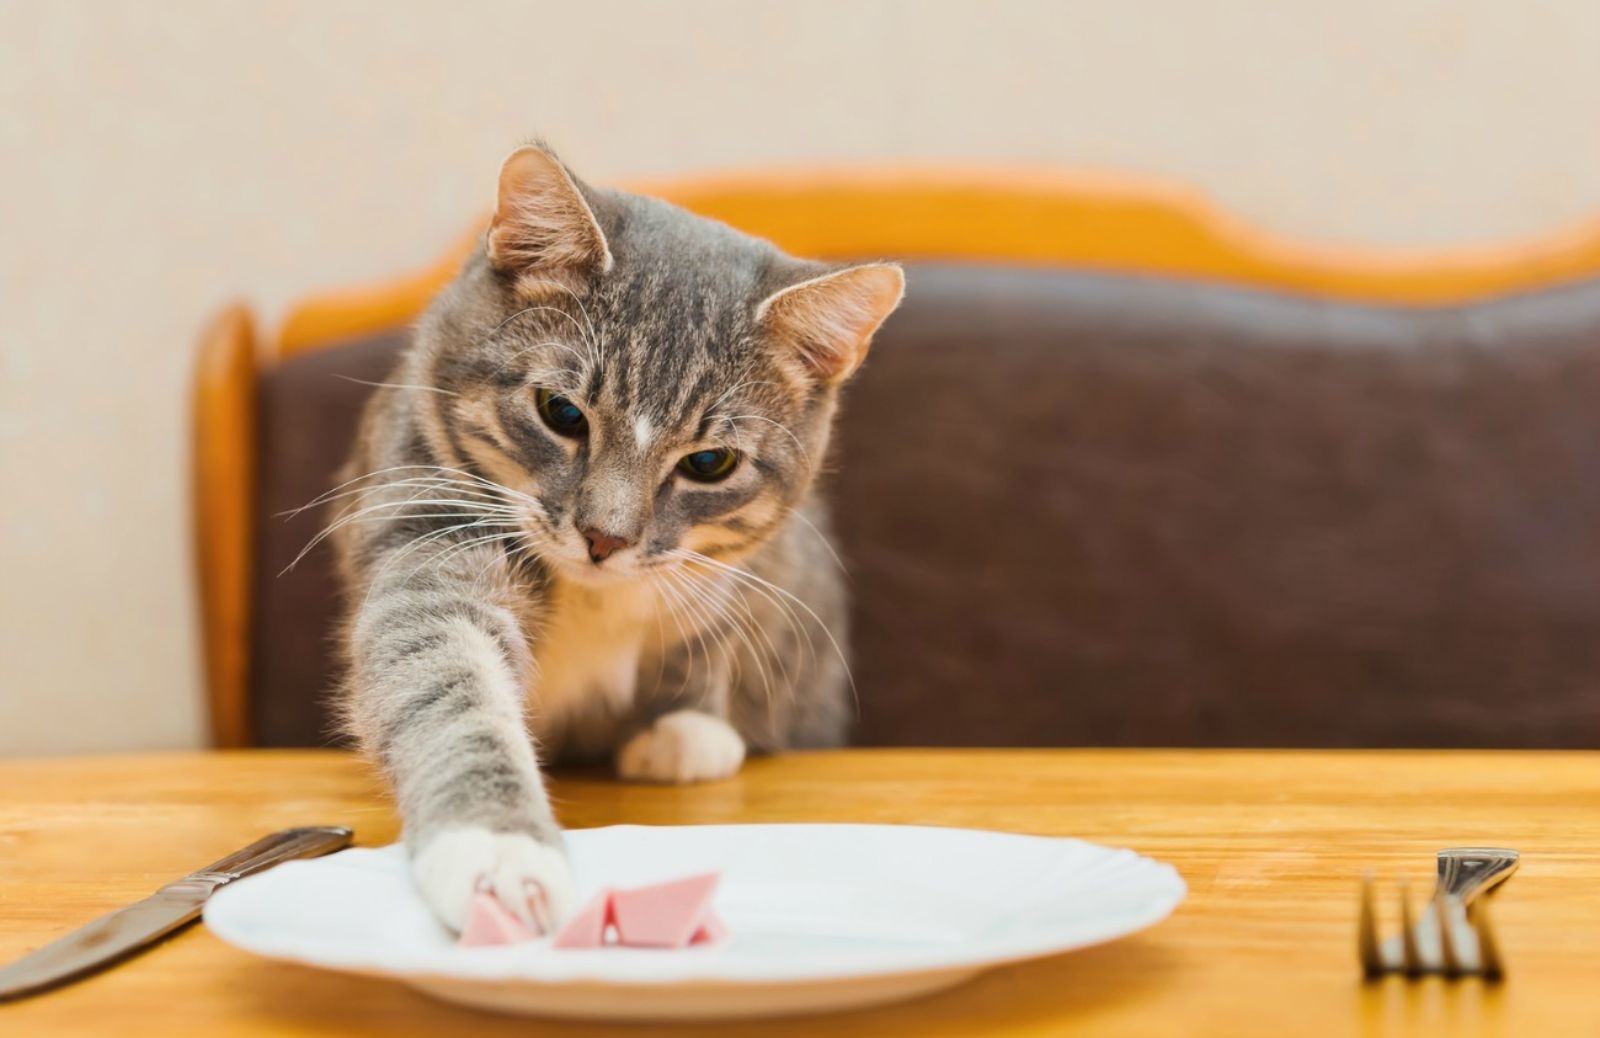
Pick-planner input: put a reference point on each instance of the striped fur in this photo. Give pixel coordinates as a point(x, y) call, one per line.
point(477, 617)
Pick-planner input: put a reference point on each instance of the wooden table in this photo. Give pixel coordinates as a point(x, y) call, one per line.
point(1271, 844)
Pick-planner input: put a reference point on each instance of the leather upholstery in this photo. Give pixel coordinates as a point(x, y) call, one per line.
point(1105, 510)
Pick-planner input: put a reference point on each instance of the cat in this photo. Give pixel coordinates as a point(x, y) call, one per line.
point(580, 522)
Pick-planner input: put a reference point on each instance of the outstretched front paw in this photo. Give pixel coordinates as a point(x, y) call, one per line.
point(683, 746)
point(530, 878)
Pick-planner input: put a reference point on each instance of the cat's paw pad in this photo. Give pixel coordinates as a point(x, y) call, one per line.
point(683, 746)
point(531, 879)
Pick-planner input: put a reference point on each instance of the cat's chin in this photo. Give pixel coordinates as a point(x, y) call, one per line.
point(587, 574)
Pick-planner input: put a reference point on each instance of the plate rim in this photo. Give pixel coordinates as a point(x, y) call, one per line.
point(1161, 905)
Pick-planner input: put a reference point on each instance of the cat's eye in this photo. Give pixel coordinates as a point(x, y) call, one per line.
point(560, 414)
point(709, 466)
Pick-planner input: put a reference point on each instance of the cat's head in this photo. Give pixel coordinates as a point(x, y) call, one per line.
point(648, 382)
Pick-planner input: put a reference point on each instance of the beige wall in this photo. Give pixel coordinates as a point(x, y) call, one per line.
point(158, 159)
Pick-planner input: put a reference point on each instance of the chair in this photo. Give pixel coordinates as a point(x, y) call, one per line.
point(1120, 472)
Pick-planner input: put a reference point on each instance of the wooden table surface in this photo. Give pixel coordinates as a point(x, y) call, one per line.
point(1271, 844)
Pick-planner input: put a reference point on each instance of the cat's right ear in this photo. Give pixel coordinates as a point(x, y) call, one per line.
point(829, 320)
point(543, 227)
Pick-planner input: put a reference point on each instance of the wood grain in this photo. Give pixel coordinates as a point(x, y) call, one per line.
point(1271, 843)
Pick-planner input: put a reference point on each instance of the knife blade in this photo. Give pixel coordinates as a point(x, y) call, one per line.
point(119, 934)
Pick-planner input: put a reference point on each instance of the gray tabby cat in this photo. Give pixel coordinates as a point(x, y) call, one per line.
point(584, 510)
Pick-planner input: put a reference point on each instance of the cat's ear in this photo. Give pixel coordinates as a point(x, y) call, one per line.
point(829, 319)
point(543, 226)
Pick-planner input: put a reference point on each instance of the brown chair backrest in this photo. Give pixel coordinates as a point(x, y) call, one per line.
point(1082, 509)
point(1112, 511)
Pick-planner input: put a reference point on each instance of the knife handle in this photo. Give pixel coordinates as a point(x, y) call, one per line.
point(309, 842)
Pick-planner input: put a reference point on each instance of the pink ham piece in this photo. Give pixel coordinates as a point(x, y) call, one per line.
point(488, 923)
point(711, 930)
point(665, 915)
point(588, 928)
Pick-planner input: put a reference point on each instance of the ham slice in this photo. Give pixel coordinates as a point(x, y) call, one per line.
point(588, 928)
point(663, 915)
point(488, 923)
point(674, 914)
point(711, 930)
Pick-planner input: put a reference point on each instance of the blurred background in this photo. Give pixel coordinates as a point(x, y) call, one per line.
point(158, 160)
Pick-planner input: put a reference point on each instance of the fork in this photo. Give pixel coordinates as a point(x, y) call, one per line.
point(1453, 936)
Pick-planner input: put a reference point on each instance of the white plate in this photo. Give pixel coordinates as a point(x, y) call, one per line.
point(822, 917)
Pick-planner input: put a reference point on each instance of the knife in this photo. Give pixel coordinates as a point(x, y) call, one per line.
point(128, 930)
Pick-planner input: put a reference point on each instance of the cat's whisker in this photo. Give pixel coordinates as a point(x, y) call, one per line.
point(721, 632)
point(538, 308)
point(710, 619)
point(359, 515)
point(413, 546)
point(733, 427)
point(421, 486)
point(443, 533)
point(726, 393)
point(828, 545)
point(497, 488)
point(422, 506)
point(706, 625)
point(558, 380)
point(700, 626)
point(422, 503)
point(491, 515)
point(477, 481)
point(785, 610)
point(493, 562)
point(395, 385)
point(593, 339)
point(719, 596)
point(789, 679)
point(742, 628)
point(425, 508)
point(761, 583)
point(582, 360)
point(460, 549)
point(676, 606)
point(355, 485)
point(678, 573)
point(585, 334)
point(377, 475)
point(661, 634)
point(363, 520)
point(801, 447)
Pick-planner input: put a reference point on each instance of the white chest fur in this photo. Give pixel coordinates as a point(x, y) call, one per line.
point(589, 646)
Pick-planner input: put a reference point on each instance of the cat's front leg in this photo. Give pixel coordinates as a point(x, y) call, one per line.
point(436, 699)
point(683, 735)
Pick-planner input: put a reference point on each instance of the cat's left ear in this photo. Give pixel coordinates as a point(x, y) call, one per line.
point(543, 227)
point(829, 319)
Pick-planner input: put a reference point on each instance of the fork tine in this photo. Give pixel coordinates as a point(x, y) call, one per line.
point(1444, 915)
point(1367, 933)
point(1411, 956)
point(1489, 962)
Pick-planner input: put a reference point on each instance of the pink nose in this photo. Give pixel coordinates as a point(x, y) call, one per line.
point(601, 545)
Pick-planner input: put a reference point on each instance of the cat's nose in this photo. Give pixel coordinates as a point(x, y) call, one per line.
point(601, 545)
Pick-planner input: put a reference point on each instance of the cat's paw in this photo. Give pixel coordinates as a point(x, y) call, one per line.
point(683, 746)
point(528, 877)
